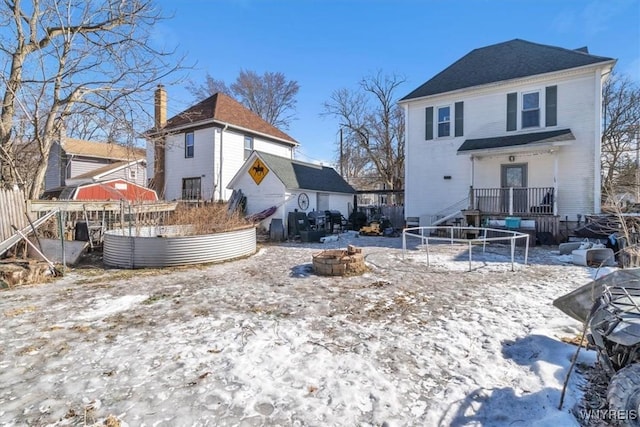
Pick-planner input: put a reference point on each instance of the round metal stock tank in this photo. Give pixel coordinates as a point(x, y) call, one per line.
point(169, 246)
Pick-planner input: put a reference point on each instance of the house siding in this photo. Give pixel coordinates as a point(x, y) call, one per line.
point(206, 161)
point(124, 174)
point(81, 165)
point(53, 175)
point(270, 192)
point(427, 192)
point(200, 165)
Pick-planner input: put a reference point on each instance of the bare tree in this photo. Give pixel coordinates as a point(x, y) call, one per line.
point(375, 128)
point(621, 134)
point(271, 95)
point(210, 86)
point(64, 58)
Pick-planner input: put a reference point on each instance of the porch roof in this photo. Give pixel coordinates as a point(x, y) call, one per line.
point(548, 138)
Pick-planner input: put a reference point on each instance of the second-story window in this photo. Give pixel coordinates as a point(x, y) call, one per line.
point(530, 109)
point(248, 146)
point(188, 145)
point(444, 121)
point(132, 174)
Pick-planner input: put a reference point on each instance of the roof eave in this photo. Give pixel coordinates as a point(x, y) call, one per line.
point(116, 169)
point(178, 129)
point(537, 146)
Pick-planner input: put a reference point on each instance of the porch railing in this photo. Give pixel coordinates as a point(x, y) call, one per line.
point(514, 201)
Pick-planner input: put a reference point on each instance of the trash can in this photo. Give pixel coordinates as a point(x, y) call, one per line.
point(81, 231)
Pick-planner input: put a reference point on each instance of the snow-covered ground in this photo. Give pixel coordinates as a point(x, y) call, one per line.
point(263, 341)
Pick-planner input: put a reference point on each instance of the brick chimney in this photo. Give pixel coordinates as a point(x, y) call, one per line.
point(160, 107)
point(160, 120)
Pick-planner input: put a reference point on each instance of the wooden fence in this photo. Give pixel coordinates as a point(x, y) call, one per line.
point(107, 215)
point(12, 212)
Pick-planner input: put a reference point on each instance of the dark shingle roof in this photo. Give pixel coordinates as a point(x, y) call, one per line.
point(504, 61)
point(306, 176)
point(515, 140)
point(225, 109)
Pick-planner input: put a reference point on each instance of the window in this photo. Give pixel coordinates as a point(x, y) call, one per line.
point(530, 109)
point(191, 188)
point(188, 145)
point(444, 121)
point(132, 174)
point(248, 146)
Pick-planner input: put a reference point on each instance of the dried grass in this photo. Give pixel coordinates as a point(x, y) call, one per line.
point(208, 219)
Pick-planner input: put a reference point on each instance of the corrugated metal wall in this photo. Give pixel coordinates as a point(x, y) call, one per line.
point(12, 212)
point(159, 247)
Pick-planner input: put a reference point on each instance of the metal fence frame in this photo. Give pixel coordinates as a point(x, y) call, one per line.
point(455, 232)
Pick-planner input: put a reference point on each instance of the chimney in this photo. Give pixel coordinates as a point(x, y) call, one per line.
point(160, 107)
point(160, 119)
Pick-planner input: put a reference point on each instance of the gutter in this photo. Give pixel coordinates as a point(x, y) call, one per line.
point(177, 129)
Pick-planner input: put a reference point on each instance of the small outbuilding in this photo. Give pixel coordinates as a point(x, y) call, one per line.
point(115, 189)
point(270, 181)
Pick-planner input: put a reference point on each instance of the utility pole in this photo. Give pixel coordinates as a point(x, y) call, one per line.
point(341, 156)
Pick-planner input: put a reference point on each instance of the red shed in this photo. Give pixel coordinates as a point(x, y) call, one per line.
point(115, 189)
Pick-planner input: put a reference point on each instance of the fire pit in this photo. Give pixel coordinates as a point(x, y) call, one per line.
point(339, 262)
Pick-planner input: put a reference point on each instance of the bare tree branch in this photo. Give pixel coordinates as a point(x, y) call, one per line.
point(621, 134)
point(271, 96)
point(64, 58)
point(375, 129)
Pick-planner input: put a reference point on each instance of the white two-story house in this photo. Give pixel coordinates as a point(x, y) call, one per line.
point(511, 129)
point(195, 154)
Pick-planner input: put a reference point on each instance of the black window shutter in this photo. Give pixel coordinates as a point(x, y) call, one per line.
point(459, 106)
point(551, 106)
point(512, 111)
point(428, 134)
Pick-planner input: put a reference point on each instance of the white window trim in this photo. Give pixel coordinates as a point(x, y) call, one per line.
point(133, 173)
point(247, 151)
point(436, 122)
point(193, 145)
point(541, 103)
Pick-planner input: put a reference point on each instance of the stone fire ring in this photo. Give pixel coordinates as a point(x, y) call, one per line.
point(339, 262)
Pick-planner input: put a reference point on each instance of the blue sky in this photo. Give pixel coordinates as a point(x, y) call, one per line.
point(327, 45)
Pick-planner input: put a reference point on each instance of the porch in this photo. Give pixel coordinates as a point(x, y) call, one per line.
point(514, 201)
point(535, 206)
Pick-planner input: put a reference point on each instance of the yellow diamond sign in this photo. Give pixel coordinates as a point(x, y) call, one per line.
point(258, 171)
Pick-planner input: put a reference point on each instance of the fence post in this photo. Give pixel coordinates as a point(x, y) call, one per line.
point(511, 201)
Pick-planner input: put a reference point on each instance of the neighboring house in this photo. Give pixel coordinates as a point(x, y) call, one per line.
point(73, 161)
point(511, 129)
point(195, 154)
point(290, 185)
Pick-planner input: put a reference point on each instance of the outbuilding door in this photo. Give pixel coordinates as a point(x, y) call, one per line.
point(323, 202)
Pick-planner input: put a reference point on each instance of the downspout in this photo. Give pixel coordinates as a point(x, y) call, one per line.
point(220, 161)
point(555, 183)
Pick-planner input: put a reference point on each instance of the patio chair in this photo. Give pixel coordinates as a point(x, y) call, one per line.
point(546, 206)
